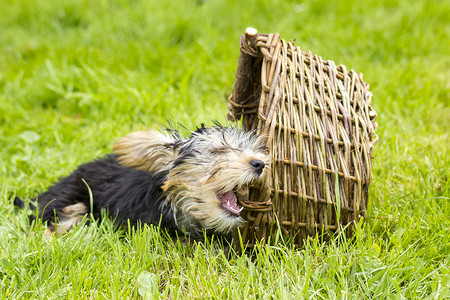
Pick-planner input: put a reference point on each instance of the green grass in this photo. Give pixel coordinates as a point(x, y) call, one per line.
point(77, 75)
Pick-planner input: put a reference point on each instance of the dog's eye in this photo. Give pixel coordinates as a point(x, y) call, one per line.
point(220, 150)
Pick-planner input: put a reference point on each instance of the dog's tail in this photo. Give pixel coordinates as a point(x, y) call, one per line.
point(21, 204)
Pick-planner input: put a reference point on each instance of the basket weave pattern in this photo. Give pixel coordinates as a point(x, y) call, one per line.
point(320, 129)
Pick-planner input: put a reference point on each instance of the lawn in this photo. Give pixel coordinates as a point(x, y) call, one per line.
point(77, 75)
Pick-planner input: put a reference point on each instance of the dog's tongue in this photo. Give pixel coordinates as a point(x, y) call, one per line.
point(229, 203)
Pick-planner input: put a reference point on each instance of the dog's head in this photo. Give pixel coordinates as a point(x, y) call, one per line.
point(207, 173)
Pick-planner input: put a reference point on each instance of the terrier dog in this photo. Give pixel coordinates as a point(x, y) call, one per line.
point(184, 185)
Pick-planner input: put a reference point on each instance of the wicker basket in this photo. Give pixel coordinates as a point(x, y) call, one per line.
point(320, 129)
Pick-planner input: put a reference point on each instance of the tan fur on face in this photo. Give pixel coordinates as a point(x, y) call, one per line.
point(146, 150)
point(217, 162)
point(210, 163)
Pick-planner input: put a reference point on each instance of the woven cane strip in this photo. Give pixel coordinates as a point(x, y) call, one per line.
point(320, 130)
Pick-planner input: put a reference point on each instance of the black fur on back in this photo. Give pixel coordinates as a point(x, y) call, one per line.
point(125, 193)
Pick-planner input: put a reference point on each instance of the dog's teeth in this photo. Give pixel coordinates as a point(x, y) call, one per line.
point(242, 208)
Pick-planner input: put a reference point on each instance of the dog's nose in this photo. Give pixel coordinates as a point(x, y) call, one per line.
point(258, 165)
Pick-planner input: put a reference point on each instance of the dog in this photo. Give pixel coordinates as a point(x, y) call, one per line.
point(185, 185)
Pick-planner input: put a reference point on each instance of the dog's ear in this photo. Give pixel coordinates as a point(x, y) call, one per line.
point(151, 150)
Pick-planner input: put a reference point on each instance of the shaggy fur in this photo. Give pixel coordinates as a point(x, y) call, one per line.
point(184, 185)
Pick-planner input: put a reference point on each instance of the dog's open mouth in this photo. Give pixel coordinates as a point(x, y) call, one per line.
point(229, 200)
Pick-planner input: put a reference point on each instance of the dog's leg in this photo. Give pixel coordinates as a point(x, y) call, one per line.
point(67, 218)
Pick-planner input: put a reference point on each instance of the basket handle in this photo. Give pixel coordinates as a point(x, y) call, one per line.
point(246, 91)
